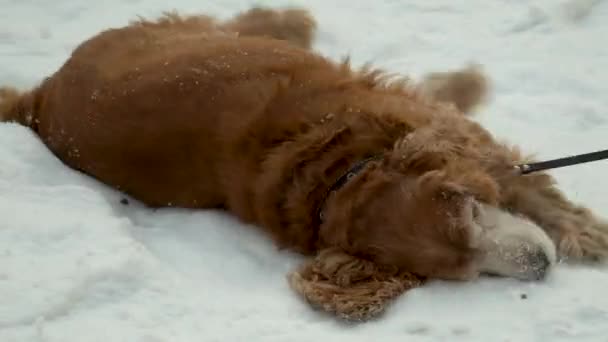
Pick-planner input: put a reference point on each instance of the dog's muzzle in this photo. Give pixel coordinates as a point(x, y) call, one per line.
point(512, 246)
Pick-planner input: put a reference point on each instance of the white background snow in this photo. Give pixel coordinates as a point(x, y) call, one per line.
point(76, 265)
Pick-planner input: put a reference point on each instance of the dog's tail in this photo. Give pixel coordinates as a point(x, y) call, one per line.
point(465, 88)
point(17, 106)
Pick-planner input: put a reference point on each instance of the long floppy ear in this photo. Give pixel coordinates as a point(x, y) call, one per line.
point(348, 287)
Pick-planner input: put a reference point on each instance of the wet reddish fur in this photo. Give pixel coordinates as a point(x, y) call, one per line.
point(183, 112)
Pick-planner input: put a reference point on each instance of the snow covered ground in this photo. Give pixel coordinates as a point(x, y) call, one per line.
point(76, 265)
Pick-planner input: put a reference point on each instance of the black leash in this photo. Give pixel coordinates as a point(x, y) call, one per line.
point(561, 162)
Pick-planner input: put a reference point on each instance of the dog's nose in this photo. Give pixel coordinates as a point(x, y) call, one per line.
point(538, 264)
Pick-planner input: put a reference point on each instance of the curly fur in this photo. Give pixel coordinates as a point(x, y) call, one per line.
point(351, 288)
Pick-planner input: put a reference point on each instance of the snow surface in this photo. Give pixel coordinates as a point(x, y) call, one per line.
point(76, 265)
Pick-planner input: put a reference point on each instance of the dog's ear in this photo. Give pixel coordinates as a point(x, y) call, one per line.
point(349, 287)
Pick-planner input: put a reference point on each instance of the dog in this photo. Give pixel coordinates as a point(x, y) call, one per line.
point(241, 115)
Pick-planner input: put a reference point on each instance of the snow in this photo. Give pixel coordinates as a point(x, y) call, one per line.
point(77, 265)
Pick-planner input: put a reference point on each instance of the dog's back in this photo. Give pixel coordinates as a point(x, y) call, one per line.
point(153, 113)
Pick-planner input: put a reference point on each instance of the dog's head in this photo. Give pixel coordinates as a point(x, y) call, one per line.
point(430, 211)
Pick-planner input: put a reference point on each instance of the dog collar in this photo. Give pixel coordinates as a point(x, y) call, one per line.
point(354, 170)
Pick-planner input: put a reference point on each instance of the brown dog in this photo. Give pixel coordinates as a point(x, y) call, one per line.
point(186, 112)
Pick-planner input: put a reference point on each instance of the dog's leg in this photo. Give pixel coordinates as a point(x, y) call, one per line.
point(8, 98)
point(576, 231)
point(293, 24)
point(466, 88)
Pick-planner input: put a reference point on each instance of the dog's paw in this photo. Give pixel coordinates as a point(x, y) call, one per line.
point(589, 243)
point(295, 25)
point(465, 88)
